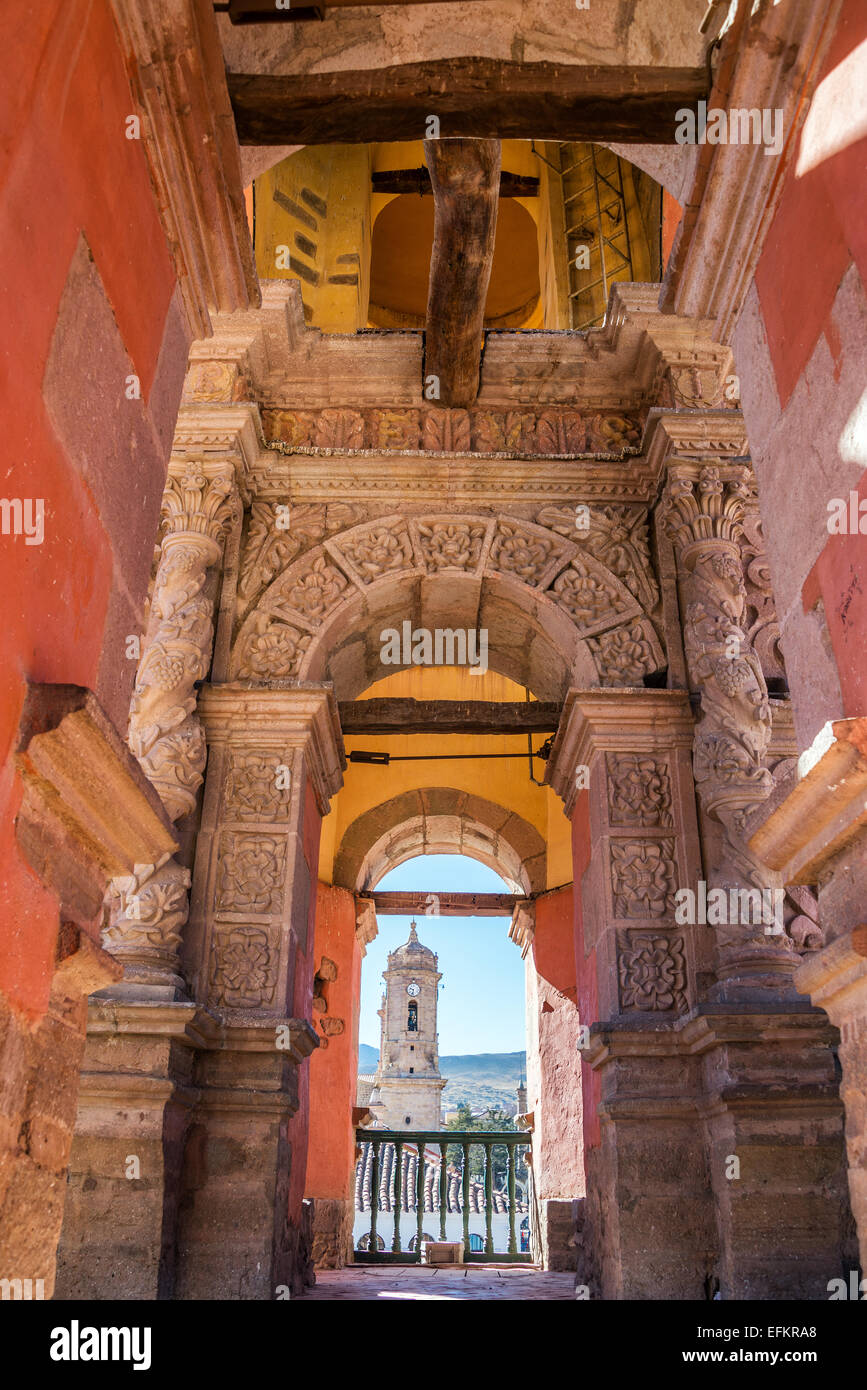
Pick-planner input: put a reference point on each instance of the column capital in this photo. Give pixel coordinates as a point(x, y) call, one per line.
point(613, 719)
point(280, 717)
point(704, 503)
point(198, 503)
point(219, 433)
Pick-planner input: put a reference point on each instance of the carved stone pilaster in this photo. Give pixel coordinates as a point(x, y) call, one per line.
point(164, 732)
point(705, 509)
point(276, 759)
point(629, 753)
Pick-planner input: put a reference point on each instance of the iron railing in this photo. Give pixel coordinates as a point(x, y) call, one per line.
point(408, 1173)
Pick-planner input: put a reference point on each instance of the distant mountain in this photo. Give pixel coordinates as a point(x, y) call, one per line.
point(481, 1079)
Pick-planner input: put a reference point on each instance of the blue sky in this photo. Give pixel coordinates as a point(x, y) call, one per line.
point(481, 1003)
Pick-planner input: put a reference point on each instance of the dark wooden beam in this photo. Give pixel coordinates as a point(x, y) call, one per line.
point(418, 181)
point(485, 98)
point(449, 904)
point(406, 716)
point(465, 177)
point(266, 12)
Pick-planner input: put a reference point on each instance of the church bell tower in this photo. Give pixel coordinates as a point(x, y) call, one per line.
point(408, 1077)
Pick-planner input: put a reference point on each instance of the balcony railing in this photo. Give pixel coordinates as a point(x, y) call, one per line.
point(408, 1174)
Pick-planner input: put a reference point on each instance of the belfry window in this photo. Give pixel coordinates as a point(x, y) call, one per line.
point(412, 1017)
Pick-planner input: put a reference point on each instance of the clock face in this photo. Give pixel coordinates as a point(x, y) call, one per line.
point(413, 989)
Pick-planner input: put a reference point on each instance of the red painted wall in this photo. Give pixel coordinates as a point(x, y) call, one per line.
point(585, 969)
point(553, 1061)
point(819, 227)
point(68, 173)
point(334, 1068)
point(819, 231)
point(839, 578)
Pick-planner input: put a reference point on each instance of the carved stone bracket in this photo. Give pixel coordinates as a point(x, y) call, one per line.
point(522, 928)
point(366, 925)
point(87, 813)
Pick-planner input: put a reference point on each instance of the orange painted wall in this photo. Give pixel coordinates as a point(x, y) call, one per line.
point(66, 171)
point(333, 1068)
point(671, 215)
point(302, 997)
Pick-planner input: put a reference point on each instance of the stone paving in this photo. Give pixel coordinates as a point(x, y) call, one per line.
point(445, 1285)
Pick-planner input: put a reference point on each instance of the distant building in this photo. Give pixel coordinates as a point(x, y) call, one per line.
point(522, 1098)
point(407, 1088)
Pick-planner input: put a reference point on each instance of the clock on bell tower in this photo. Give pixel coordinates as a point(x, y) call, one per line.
point(408, 1077)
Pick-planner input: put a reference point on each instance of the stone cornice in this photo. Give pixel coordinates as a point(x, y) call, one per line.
point(774, 62)
point(176, 70)
point(465, 479)
point(611, 719)
point(824, 813)
point(639, 357)
point(280, 716)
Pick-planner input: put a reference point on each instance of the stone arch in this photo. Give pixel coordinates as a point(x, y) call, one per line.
point(440, 820)
point(556, 612)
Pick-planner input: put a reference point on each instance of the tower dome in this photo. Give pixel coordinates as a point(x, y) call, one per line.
point(412, 952)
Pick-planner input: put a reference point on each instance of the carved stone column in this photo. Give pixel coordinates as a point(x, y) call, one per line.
point(705, 509)
point(164, 732)
point(138, 1085)
point(621, 763)
point(149, 908)
point(716, 1122)
point(275, 759)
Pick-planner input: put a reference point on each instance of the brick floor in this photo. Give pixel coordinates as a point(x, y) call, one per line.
point(413, 1283)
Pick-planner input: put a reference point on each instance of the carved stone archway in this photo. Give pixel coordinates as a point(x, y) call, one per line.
point(560, 605)
point(440, 820)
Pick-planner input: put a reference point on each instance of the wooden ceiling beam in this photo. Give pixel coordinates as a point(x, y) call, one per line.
point(444, 904)
point(482, 98)
point(401, 715)
point(465, 176)
point(418, 181)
